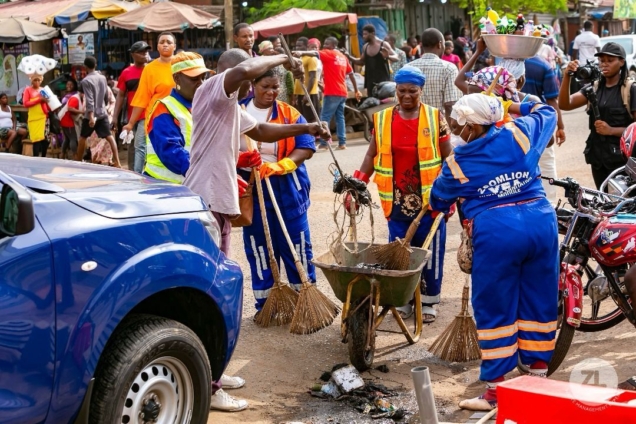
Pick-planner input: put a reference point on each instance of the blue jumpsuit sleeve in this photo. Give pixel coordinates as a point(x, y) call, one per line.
point(538, 122)
point(446, 190)
point(168, 142)
point(304, 141)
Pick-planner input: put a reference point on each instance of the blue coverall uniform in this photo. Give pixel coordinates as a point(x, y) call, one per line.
point(515, 260)
point(292, 195)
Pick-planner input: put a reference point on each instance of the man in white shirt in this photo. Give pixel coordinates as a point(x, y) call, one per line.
point(586, 45)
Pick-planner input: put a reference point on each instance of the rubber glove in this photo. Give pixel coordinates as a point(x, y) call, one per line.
point(249, 159)
point(242, 185)
point(282, 167)
point(361, 176)
point(348, 199)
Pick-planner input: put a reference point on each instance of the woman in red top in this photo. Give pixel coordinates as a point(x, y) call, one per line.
point(411, 140)
point(38, 122)
point(71, 120)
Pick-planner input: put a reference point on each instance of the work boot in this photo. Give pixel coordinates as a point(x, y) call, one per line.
point(221, 401)
point(538, 369)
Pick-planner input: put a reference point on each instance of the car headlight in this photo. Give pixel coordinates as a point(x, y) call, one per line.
point(212, 226)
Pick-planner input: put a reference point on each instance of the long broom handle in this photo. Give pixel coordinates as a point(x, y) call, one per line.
point(299, 267)
point(308, 100)
point(261, 203)
point(431, 234)
point(494, 82)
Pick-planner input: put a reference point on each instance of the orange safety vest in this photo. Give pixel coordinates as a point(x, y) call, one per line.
point(285, 114)
point(428, 153)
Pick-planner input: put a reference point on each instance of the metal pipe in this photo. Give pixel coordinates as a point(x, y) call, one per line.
point(424, 395)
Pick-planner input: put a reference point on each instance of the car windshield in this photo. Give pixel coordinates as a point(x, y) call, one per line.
point(626, 42)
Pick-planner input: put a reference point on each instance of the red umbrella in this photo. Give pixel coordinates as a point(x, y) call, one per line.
point(294, 20)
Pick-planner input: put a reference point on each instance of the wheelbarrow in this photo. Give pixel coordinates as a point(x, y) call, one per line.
point(368, 294)
point(367, 116)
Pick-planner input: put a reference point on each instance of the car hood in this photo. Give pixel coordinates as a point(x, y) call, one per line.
point(107, 191)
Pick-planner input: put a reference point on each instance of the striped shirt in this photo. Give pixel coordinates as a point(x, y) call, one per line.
point(440, 81)
point(541, 80)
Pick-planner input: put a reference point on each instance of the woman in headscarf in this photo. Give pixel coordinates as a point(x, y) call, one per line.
point(283, 163)
point(38, 110)
point(410, 142)
point(266, 48)
point(497, 173)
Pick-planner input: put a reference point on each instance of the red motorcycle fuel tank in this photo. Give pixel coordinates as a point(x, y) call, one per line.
point(613, 242)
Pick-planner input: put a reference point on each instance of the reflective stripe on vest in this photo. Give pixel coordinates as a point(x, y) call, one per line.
point(154, 167)
point(429, 156)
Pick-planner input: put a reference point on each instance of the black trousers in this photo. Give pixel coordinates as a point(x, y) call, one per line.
point(40, 148)
point(601, 172)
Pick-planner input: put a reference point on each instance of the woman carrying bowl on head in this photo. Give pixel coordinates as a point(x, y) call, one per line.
point(38, 110)
point(496, 173)
point(410, 142)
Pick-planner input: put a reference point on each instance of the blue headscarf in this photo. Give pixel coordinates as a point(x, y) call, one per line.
point(410, 75)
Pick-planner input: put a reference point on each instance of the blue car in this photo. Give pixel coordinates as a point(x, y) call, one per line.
point(116, 305)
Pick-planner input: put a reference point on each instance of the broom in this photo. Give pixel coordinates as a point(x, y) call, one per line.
point(314, 310)
point(281, 302)
point(397, 254)
point(459, 342)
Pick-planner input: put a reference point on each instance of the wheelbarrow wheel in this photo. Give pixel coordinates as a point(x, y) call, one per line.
point(361, 357)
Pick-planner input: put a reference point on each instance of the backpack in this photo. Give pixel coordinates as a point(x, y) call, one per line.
point(625, 92)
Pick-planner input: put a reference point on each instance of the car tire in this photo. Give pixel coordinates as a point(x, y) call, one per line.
point(152, 368)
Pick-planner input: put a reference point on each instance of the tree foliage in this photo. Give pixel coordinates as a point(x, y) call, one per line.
point(512, 7)
point(274, 7)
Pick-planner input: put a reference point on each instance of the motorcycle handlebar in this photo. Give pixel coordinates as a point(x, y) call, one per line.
point(559, 183)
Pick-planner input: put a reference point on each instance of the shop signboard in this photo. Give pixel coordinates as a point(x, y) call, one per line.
point(80, 46)
point(10, 78)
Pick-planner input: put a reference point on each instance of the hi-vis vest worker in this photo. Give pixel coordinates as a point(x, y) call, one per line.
point(428, 154)
point(154, 165)
point(411, 141)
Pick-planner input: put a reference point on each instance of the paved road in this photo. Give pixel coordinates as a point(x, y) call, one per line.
point(280, 368)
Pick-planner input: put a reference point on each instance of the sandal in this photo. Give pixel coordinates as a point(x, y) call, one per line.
point(428, 314)
point(406, 311)
point(629, 384)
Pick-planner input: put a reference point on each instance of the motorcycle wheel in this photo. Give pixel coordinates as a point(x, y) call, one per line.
point(612, 315)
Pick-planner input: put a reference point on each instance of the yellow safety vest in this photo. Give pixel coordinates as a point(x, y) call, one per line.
point(154, 167)
point(428, 153)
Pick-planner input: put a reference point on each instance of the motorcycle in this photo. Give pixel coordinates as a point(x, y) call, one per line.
point(594, 230)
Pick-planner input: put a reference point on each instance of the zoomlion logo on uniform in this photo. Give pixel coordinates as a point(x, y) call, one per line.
point(505, 184)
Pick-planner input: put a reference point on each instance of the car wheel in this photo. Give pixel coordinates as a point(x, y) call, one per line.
point(153, 370)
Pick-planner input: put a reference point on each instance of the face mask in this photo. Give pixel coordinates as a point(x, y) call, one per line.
point(457, 141)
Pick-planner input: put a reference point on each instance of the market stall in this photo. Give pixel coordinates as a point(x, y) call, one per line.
point(294, 21)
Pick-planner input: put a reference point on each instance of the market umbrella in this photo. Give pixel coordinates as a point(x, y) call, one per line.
point(294, 20)
point(98, 9)
point(16, 30)
point(164, 16)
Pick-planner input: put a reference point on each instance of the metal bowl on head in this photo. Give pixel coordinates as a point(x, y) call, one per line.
point(512, 46)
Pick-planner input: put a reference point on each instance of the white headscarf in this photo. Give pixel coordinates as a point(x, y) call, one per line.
point(477, 109)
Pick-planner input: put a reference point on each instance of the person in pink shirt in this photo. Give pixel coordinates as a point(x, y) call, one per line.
point(449, 56)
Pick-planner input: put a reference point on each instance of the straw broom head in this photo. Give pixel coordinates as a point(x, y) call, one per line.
point(314, 311)
point(279, 307)
point(459, 342)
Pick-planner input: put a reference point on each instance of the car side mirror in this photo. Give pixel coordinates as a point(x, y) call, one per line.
point(16, 211)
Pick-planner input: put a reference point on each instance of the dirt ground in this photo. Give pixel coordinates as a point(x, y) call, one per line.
point(280, 368)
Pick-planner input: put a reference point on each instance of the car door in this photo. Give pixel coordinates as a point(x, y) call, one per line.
point(27, 319)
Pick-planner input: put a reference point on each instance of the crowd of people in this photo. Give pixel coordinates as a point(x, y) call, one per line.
point(445, 144)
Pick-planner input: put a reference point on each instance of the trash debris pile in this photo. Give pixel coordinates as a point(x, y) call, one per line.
point(370, 266)
point(344, 384)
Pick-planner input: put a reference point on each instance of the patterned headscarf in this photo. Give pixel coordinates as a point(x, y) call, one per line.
point(506, 86)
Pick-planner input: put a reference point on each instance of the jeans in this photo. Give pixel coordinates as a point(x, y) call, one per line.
point(140, 146)
point(331, 105)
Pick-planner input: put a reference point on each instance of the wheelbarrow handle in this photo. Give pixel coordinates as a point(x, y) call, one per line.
point(431, 233)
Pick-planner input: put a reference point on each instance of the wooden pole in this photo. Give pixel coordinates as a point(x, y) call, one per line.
point(228, 23)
